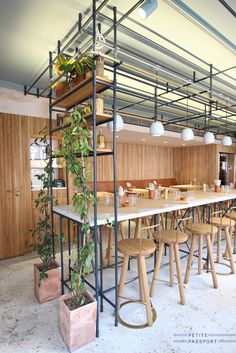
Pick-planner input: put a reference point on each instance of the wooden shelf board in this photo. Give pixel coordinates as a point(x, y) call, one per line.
point(81, 92)
point(100, 151)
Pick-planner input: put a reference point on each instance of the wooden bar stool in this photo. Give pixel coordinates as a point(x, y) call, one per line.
point(172, 238)
point(200, 230)
point(139, 248)
point(227, 225)
point(231, 214)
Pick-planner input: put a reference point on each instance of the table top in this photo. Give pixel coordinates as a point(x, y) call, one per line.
point(145, 207)
point(186, 187)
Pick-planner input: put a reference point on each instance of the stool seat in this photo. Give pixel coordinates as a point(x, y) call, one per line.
point(136, 247)
point(171, 236)
point(231, 215)
point(202, 228)
point(222, 221)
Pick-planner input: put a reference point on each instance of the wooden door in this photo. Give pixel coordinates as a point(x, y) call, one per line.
point(15, 186)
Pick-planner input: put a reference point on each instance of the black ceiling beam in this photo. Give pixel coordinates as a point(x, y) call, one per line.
point(228, 7)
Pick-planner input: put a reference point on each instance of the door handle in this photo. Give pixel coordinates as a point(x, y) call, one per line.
point(14, 191)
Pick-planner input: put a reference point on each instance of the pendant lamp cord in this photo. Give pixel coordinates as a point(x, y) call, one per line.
point(226, 117)
point(155, 98)
point(187, 105)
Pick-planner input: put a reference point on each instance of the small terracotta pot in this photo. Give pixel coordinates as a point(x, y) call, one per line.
point(151, 194)
point(78, 79)
point(217, 188)
point(60, 89)
point(50, 287)
point(77, 327)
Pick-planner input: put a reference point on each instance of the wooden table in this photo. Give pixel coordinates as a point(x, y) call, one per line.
point(186, 187)
point(145, 207)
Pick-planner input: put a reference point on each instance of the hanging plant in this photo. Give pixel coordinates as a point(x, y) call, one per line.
point(76, 147)
point(43, 232)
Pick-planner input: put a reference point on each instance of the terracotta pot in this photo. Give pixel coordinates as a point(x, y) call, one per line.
point(217, 188)
point(77, 327)
point(78, 79)
point(60, 89)
point(151, 194)
point(50, 287)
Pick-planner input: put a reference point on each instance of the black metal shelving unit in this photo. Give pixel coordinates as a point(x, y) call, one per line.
point(89, 88)
point(122, 62)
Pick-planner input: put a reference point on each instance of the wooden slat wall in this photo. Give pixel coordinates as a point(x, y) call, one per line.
point(135, 162)
point(16, 212)
point(201, 162)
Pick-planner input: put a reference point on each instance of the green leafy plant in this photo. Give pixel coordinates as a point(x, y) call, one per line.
point(43, 233)
point(66, 65)
point(76, 147)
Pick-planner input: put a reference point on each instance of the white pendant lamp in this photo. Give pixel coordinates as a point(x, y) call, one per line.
point(226, 141)
point(208, 138)
point(187, 134)
point(119, 124)
point(147, 9)
point(156, 129)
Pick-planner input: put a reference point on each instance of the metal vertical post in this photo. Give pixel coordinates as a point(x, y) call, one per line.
point(62, 262)
point(114, 166)
point(95, 168)
point(50, 155)
point(68, 221)
point(101, 270)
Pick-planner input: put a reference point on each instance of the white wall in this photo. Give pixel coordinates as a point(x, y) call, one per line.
point(15, 102)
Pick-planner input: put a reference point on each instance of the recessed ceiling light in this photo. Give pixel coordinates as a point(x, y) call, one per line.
point(143, 139)
point(183, 144)
point(164, 141)
point(117, 136)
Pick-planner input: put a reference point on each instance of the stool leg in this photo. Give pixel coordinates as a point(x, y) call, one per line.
point(179, 273)
point(227, 237)
point(137, 227)
point(122, 231)
point(234, 239)
point(171, 256)
point(103, 255)
point(211, 259)
point(145, 290)
point(147, 222)
point(190, 258)
point(109, 246)
point(218, 244)
point(122, 279)
point(157, 268)
point(200, 243)
point(140, 281)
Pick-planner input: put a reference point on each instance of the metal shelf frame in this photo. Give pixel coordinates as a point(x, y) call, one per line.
point(195, 88)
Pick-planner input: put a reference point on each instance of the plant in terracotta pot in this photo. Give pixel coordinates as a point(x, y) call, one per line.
point(47, 274)
point(78, 309)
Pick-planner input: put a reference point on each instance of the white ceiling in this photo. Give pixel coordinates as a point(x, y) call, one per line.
point(140, 135)
point(29, 29)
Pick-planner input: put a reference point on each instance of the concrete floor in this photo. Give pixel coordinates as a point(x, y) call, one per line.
point(206, 323)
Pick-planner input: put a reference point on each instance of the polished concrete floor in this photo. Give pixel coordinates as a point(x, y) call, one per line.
point(207, 323)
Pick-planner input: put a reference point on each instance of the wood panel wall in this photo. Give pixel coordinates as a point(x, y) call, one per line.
point(201, 162)
point(16, 212)
point(136, 162)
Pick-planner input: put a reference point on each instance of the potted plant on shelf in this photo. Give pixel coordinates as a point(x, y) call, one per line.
point(78, 309)
point(75, 71)
point(47, 274)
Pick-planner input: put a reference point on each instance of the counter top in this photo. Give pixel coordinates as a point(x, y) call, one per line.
point(145, 207)
point(54, 188)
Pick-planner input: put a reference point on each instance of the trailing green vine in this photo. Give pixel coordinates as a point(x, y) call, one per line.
point(43, 233)
point(76, 146)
